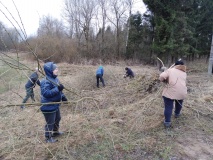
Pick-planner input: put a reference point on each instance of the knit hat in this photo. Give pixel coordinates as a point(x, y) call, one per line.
point(54, 66)
point(179, 62)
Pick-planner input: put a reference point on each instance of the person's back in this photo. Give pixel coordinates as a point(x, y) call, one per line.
point(175, 91)
point(176, 88)
point(100, 70)
point(99, 75)
point(129, 73)
point(33, 80)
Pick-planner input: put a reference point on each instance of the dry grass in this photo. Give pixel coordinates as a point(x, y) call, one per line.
point(125, 122)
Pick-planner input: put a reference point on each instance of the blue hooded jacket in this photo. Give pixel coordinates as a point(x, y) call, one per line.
point(100, 70)
point(49, 89)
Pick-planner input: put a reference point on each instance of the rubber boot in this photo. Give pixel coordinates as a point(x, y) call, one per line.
point(177, 115)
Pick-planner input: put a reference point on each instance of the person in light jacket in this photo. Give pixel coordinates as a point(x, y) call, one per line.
point(175, 90)
point(51, 91)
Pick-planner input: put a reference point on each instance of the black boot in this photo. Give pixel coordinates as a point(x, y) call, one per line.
point(51, 140)
point(22, 107)
point(57, 133)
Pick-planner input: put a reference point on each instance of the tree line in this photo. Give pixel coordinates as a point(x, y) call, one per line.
point(108, 30)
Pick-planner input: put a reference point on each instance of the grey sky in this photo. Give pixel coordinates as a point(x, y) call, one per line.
point(31, 10)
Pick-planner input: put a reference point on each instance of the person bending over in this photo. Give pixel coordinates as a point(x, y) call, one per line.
point(175, 90)
point(129, 73)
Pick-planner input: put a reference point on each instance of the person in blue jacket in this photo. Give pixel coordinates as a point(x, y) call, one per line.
point(31, 83)
point(129, 73)
point(99, 75)
point(51, 91)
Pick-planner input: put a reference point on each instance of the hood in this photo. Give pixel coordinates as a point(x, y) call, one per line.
point(100, 67)
point(48, 69)
point(181, 67)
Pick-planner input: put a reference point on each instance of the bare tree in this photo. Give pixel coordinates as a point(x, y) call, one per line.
point(9, 38)
point(119, 16)
point(103, 9)
point(130, 4)
point(72, 16)
point(50, 27)
point(79, 14)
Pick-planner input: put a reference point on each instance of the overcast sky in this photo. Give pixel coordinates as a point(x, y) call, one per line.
point(31, 10)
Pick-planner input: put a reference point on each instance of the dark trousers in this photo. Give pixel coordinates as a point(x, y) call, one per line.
point(99, 76)
point(169, 104)
point(29, 94)
point(130, 76)
point(52, 122)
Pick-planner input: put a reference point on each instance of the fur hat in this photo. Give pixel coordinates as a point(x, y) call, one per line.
point(179, 62)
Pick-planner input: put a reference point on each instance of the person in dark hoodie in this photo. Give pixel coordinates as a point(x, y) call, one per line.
point(129, 73)
point(175, 90)
point(99, 75)
point(31, 83)
point(51, 91)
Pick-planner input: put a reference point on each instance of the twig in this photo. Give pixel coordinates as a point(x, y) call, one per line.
point(62, 102)
point(160, 61)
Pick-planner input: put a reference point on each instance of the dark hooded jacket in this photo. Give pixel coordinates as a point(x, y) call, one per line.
point(129, 72)
point(33, 80)
point(49, 89)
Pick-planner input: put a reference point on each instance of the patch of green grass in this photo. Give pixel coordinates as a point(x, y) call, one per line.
point(165, 154)
point(10, 78)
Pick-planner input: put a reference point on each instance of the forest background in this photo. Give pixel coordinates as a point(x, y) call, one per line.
point(108, 30)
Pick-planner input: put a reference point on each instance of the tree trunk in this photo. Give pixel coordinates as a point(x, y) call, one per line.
point(211, 59)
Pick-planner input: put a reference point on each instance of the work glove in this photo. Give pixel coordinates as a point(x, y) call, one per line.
point(64, 98)
point(163, 69)
point(60, 87)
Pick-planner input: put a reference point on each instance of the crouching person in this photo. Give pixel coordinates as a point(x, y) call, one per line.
point(129, 73)
point(175, 90)
point(51, 91)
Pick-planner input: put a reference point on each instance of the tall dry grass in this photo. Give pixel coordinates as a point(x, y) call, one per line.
point(121, 121)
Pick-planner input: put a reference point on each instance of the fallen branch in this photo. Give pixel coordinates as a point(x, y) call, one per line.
point(62, 102)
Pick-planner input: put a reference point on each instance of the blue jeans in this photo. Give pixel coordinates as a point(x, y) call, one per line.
point(169, 104)
point(52, 122)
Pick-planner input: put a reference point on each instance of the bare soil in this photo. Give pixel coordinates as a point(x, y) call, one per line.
point(123, 120)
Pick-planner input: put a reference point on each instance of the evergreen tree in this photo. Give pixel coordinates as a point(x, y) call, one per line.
point(181, 28)
point(135, 35)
